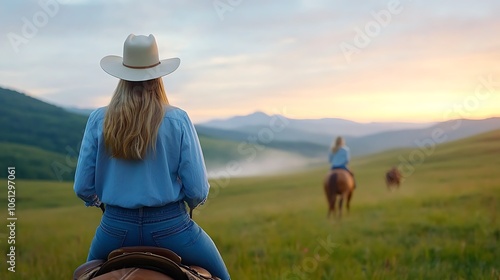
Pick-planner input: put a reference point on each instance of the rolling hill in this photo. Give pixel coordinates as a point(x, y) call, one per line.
point(44, 139)
point(284, 140)
point(29, 121)
point(450, 130)
point(315, 136)
point(36, 163)
point(41, 140)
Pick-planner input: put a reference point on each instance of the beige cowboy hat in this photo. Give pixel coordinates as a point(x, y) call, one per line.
point(140, 60)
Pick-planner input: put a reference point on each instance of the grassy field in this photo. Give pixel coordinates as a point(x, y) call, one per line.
point(442, 224)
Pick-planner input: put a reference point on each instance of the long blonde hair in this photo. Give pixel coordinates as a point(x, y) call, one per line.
point(339, 142)
point(133, 118)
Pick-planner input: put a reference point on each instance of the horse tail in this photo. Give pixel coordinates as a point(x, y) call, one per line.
point(332, 181)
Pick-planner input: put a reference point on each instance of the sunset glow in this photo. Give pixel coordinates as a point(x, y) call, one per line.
point(384, 61)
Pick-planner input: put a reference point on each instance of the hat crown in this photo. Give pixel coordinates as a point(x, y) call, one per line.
point(140, 51)
point(140, 61)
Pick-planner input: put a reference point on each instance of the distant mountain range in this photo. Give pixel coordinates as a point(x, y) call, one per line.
point(314, 137)
point(325, 126)
point(43, 140)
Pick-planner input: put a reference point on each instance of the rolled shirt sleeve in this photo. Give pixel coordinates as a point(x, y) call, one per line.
point(192, 171)
point(347, 155)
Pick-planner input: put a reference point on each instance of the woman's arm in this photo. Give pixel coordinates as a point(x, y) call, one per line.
point(342, 157)
point(192, 171)
point(84, 185)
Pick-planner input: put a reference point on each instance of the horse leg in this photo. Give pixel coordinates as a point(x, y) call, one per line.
point(340, 205)
point(329, 203)
point(331, 210)
point(349, 201)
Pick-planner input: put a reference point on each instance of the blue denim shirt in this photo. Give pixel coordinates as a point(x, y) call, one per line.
point(340, 158)
point(175, 172)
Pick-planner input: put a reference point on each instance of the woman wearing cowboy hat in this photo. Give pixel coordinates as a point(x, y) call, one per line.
point(142, 158)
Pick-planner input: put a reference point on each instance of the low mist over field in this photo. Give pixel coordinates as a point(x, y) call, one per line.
point(413, 87)
point(44, 139)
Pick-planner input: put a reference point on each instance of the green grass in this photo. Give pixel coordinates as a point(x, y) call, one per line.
point(443, 223)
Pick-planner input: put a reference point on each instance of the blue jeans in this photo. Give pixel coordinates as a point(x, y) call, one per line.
point(340, 167)
point(168, 227)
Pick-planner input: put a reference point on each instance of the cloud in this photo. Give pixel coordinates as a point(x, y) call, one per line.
point(259, 55)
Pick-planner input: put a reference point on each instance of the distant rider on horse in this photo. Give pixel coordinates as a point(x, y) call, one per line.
point(340, 156)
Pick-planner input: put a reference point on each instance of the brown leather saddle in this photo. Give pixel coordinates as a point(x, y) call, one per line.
point(141, 262)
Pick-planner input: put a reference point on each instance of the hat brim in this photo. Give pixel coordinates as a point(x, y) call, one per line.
point(113, 65)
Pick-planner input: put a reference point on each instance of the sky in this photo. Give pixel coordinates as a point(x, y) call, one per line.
point(366, 61)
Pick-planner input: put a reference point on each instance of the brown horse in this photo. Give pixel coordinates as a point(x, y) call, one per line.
point(393, 178)
point(338, 182)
